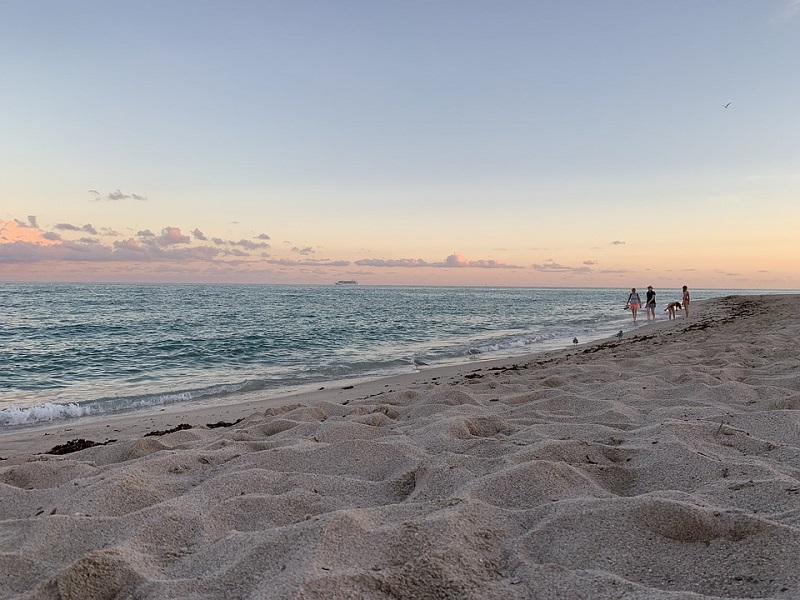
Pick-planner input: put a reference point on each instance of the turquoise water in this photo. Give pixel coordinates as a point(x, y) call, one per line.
point(70, 350)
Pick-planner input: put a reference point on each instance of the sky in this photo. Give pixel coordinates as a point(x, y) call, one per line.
point(418, 142)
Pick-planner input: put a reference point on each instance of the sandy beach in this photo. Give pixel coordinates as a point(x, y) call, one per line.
point(665, 465)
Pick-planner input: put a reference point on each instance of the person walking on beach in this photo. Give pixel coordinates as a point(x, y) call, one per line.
point(686, 301)
point(650, 303)
point(634, 302)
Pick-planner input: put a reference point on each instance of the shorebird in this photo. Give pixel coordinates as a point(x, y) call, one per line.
point(419, 363)
point(574, 340)
point(726, 105)
point(619, 335)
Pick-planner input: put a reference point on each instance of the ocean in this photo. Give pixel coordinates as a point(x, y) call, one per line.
point(72, 350)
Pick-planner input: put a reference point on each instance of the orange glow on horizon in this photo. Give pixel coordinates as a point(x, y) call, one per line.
point(12, 232)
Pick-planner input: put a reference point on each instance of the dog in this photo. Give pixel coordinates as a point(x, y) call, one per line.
point(672, 309)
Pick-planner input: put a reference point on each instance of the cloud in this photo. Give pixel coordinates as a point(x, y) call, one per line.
point(286, 262)
point(146, 246)
point(200, 253)
point(460, 261)
point(20, 242)
point(25, 252)
point(133, 249)
point(30, 223)
point(491, 264)
point(401, 262)
point(70, 227)
point(130, 245)
point(23, 241)
point(171, 236)
point(116, 196)
point(554, 267)
point(248, 245)
point(456, 260)
point(55, 251)
point(19, 231)
point(236, 252)
point(590, 262)
point(25, 245)
point(452, 261)
point(617, 243)
point(614, 271)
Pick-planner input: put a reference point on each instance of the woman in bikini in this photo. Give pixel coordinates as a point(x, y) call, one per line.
point(686, 300)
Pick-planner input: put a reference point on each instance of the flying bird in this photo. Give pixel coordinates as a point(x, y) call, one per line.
point(726, 105)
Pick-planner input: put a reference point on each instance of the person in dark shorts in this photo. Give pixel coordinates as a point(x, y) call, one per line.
point(650, 303)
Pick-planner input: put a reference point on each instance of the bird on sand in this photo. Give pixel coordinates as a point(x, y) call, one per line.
point(574, 340)
point(619, 335)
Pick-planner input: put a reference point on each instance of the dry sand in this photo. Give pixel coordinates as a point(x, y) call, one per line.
point(662, 465)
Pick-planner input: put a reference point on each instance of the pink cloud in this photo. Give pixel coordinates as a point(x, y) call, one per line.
point(16, 231)
point(171, 236)
point(22, 242)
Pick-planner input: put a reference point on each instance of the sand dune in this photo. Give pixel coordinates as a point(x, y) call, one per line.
point(663, 465)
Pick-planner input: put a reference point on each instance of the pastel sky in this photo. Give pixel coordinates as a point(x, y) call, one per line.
point(452, 142)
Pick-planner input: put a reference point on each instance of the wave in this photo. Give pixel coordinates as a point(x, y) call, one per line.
point(329, 374)
point(53, 411)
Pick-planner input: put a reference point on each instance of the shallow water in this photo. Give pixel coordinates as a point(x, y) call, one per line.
point(75, 349)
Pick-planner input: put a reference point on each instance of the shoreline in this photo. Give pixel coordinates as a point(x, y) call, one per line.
point(105, 375)
point(20, 440)
point(662, 465)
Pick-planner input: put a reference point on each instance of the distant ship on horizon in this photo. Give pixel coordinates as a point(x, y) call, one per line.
point(346, 282)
